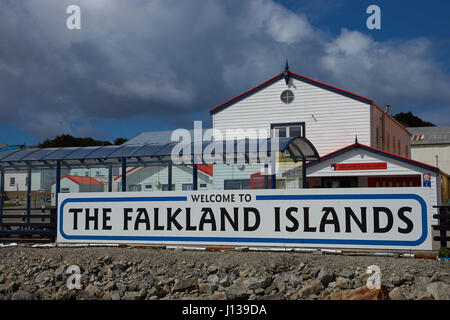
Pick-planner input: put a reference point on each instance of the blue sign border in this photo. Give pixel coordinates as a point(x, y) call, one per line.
point(258, 240)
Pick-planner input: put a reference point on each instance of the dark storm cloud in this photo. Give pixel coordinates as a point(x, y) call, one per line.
point(167, 60)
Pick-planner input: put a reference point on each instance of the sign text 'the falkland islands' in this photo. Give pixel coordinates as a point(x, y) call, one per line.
point(294, 218)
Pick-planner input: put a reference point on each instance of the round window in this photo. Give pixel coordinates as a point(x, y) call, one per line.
point(287, 96)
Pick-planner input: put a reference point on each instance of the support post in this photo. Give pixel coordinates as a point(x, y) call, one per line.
point(169, 177)
point(2, 193)
point(29, 194)
point(273, 169)
point(304, 173)
point(58, 182)
point(195, 177)
point(124, 174)
point(110, 178)
point(266, 176)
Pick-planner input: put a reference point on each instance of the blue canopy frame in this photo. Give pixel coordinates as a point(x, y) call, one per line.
point(299, 149)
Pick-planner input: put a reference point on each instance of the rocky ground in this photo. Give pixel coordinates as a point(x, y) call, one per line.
point(144, 273)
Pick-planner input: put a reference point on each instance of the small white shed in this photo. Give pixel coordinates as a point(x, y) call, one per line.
point(361, 166)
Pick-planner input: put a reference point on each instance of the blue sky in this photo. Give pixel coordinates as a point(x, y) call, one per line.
point(143, 65)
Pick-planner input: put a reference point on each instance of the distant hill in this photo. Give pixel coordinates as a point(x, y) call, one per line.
point(66, 140)
point(410, 120)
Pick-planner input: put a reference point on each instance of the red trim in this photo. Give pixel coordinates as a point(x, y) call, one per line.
point(246, 92)
point(330, 86)
point(296, 75)
point(128, 171)
point(371, 148)
point(81, 180)
point(403, 158)
point(205, 168)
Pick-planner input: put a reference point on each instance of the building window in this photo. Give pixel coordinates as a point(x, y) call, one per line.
point(26, 181)
point(86, 174)
point(165, 187)
point(237, 184)
point(135, 187)
point(148, 186)
point(295, 131)
point(280, 132)
point(12, 182)
point(287, 96)
point(65, 190)
point(186, 187)
point(287, 130)
point(202, 185)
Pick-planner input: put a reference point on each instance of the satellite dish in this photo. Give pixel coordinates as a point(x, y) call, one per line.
point(241, 166)
point(157, 184)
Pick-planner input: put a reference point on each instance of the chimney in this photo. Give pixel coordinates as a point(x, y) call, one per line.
point(436, 161)
point(387, 109)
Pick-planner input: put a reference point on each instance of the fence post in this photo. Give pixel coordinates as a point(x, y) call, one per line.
point(124, 174)
point(2, 192)
point(169, 176)
point(29, 194)
point(444, 224)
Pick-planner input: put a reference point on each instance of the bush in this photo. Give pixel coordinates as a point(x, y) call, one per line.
point(444, 253)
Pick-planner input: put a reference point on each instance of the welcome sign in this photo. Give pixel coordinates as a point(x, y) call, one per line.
point(396, 218)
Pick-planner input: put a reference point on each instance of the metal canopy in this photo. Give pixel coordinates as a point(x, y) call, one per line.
point(298, 148)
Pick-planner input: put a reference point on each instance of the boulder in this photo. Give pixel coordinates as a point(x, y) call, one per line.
point(23, 295)
point(313, 287)
point(8, 287)
point(362, 293)
point(207, 288)
point(256, 283)
point(347, 273)
point(275, 296)
point(182, 284)
point(111, 285)
point(218, 296)
point(132, 295)
point(93, 290)
point(344, 283)
point(396, 294)
point(439, 290)
point(325, 276)
point(424, 295)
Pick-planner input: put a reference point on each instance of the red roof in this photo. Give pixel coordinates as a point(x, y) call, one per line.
point(81, 180)
point(370, 149)
point(128, 171)
point(205, 168)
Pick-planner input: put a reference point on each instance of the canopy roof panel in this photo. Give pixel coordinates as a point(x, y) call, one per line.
point(298, 149)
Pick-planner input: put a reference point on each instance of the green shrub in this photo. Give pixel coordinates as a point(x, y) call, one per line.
point(444, 252)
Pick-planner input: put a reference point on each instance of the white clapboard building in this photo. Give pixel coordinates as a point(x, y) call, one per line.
point(289, 105)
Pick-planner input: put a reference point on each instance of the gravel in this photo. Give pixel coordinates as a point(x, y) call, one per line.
point(149, 273)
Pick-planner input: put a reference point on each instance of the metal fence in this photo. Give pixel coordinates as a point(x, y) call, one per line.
point(444, 224)
point(30, 226)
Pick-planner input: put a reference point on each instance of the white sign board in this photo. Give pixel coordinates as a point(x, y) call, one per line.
point(389, 218)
